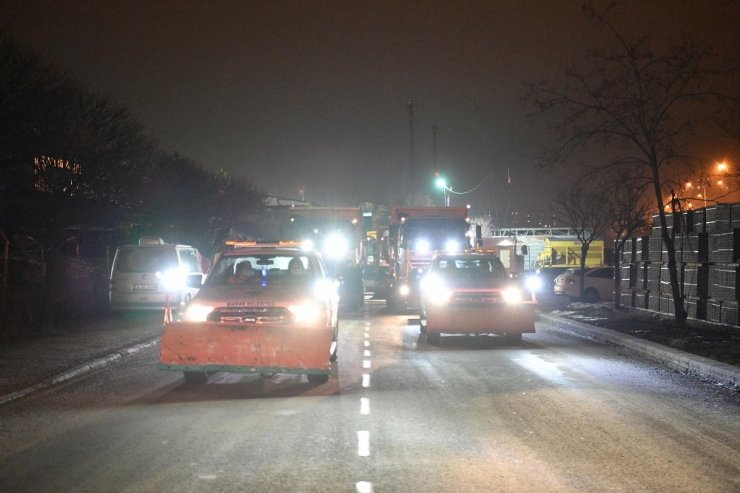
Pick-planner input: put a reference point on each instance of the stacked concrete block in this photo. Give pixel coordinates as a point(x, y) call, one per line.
point(707, 247)
point(723, 282)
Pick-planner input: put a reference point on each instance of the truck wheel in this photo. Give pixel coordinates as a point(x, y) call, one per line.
point(317, 379)
point(434, 337)
point(195, 377)
point(514, 338)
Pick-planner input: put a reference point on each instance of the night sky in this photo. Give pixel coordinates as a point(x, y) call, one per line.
point(314, 94)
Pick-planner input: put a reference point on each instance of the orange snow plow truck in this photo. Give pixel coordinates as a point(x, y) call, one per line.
point(262, 308)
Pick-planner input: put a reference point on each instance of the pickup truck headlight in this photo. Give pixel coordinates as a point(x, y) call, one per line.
point(512, 295)
point(307, 312)
point(196, 312)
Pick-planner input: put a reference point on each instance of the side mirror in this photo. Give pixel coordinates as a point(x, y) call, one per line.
point(194, 280)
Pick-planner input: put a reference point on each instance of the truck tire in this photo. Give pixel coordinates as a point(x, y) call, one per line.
point(195, 377)
point(319, 379)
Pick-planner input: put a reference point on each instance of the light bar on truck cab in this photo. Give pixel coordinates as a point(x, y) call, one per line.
point(260, 244)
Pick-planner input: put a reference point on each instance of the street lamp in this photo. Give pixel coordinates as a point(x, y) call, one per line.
point(440, 182)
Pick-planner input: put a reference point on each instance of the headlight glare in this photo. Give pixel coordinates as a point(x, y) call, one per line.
point(404, 289)
point(533, 283)
point(435, 290)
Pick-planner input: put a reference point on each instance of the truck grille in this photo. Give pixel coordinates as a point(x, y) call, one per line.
point(475, 298)
point(271, 315)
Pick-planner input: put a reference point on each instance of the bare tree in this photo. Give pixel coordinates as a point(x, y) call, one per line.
point(583, 209)
point(641, 106)
point(629, 213)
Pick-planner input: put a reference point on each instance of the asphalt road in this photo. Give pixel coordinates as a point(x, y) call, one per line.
point(555, 414)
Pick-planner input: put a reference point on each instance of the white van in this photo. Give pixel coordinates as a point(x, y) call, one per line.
point(152, 275)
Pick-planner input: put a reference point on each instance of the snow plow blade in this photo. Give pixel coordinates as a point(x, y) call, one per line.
point(243, 348)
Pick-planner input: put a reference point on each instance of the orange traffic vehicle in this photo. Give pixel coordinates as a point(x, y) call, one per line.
point(262, 308)
point(471, 293)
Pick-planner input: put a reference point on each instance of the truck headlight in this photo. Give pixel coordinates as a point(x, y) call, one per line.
point(452, 246)
point(404, 290)
point(512, 295)
point(336, 246)
point(423, 246)
point(307, 312)
point(195, 312)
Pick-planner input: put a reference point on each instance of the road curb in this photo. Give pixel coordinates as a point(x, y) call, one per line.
point(675, 359)
point(79, 370)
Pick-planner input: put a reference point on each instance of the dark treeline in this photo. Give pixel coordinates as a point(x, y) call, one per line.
point(73, 161)
point(70, 157)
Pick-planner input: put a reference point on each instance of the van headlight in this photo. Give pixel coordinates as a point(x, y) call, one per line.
point(307, 312)
point(195, 312)
point(172, 279)
point(512, 295)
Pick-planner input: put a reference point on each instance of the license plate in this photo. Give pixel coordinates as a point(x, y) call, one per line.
point(145, 287)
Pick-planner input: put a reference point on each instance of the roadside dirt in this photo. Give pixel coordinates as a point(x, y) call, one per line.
point(714, 341)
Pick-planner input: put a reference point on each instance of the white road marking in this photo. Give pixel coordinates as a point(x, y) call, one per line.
point(366, 380)
point(367, 343)
point(366, 353)
point(363, 443)
point(366, 363)
point(364, 405)
point(364, 487)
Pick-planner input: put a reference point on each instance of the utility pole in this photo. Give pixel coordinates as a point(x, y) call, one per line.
point(435, 171)
point(434, 150)
point(411, 173)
